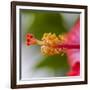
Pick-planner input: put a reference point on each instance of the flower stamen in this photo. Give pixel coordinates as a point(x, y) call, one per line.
point(51, 44)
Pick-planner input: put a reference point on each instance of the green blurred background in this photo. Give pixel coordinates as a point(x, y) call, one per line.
point(34, 64)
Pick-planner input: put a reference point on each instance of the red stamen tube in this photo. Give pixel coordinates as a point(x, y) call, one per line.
point(67, 46)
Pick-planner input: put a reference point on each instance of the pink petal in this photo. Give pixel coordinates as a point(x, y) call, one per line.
point(75, 71)
point(73, 37)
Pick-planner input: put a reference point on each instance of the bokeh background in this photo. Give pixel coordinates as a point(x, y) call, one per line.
point(33, 63)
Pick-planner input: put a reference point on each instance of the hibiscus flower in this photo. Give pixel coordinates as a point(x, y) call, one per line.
point(68, 43)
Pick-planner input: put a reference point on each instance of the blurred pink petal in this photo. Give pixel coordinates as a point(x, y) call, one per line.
point(75, 71)
point(73, 38)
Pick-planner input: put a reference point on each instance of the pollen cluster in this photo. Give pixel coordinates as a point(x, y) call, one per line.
point(50, 42)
